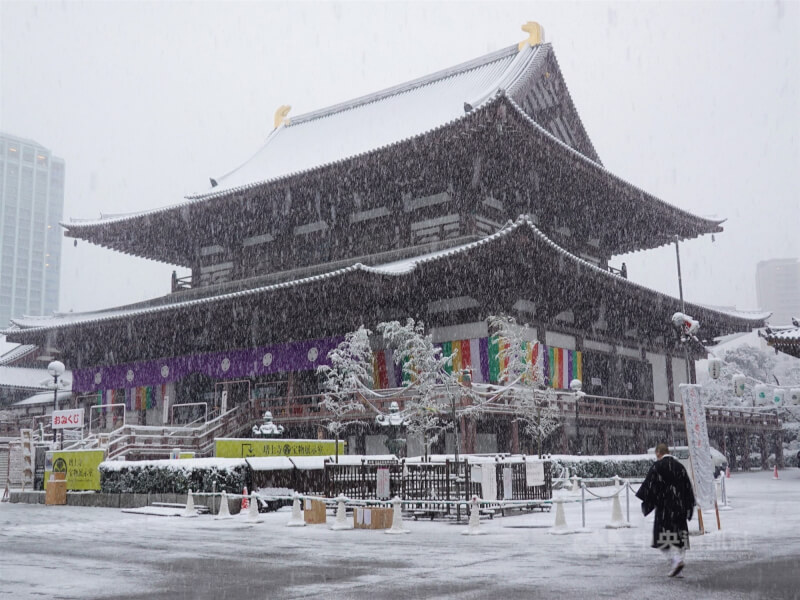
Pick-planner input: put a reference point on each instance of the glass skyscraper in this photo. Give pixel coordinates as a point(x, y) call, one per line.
point(31, 204)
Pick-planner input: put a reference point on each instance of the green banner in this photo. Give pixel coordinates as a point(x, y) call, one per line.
point(81, 468)
point(245, 448)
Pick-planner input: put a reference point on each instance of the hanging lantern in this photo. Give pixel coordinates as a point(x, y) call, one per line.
point(714, 367)
point(762, 394)
point(794, 396)
point(778, 396)
point(738, 384)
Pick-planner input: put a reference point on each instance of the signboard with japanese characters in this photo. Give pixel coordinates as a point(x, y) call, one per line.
point(80, 468)
point(68, 419)
point(702, 471)
point(246, 448)
point(383, 484)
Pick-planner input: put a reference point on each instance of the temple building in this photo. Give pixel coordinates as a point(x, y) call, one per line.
point(470, 192)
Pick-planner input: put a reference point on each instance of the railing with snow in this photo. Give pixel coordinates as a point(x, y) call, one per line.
point(588, 408)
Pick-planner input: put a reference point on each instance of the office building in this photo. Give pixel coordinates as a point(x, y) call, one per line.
point(31, 203)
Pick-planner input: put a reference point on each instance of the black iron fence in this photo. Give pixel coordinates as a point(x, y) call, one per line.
point(447, 481)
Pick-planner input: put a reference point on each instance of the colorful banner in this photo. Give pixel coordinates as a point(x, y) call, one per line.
point(245, 448)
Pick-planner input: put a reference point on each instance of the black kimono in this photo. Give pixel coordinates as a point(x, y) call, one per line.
point(668, 490)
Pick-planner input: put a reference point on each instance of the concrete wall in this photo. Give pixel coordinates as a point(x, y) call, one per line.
point(104, 500)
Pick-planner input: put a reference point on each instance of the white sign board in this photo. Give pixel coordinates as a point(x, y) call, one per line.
point(694, 414)
point(489, 482)
point(382, 480)
point(508, 492)
point(68, 419)
point(534, 473)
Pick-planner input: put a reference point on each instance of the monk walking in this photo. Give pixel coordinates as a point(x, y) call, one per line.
point(667, 489)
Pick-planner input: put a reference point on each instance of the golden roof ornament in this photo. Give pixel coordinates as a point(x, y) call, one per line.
point(280, 115)
point(535, 34)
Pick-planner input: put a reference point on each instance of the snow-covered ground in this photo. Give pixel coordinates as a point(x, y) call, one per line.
point(70, 552)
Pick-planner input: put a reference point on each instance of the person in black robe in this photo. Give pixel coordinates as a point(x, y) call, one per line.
point(667, 489)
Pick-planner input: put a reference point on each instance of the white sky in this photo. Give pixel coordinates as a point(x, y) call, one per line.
point(697, 103)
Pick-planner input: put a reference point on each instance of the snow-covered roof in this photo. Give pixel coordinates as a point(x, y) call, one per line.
point(34, 379)
point(43, 398)
point(732, 311)
point(16, 352)
point(395, 268)
point(366, 124)
point(788, 334)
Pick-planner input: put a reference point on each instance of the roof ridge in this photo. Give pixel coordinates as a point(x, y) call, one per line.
point(404, 87)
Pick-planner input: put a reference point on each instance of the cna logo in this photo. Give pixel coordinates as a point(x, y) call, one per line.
point(287, 449)
point(60, 465)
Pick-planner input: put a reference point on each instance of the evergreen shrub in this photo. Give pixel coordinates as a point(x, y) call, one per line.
point(172, 476)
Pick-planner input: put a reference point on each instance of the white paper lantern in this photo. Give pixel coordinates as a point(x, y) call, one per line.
point(714, 368)
point(762, 394)
point(738, 384)
point(777, 396)
point(794, 396)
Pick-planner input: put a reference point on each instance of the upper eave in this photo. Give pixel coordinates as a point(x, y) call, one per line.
point(24, 328)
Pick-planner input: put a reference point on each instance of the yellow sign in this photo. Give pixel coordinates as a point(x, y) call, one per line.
point(80, 466)
point(245, 448)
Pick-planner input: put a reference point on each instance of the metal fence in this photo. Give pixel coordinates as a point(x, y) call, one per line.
point(447, 481)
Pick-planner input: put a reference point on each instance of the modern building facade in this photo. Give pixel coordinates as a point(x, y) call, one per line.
point(31, 206)
point(778, 288)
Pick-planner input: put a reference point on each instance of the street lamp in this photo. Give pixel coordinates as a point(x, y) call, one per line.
point(56, 369)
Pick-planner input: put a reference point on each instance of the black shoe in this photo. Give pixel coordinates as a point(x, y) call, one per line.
point(676, 569)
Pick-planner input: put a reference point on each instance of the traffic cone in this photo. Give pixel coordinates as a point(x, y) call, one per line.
point(617, 522)
point(341, 515)
point(224, 511)
point(397, 518)
point(474, 519)
point(190, 510)
point(727, 472)
point(252, 512)
point(245, 501)
point(297, 519)
point(560, 526)
point(775, 474)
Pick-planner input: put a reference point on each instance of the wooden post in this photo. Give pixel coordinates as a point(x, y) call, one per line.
point(514, 436)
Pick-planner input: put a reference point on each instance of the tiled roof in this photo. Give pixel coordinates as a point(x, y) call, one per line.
point(21, 377)
point(366, 124)
point(394, 269)
point(17, 353)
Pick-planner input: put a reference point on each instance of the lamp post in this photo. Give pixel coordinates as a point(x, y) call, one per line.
point(56, 369)
point(683, 307)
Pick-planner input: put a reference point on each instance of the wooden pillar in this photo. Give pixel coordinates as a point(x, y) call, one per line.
point(514, 436)
point(463, 434)
point(564, 440)
point(762, 443)
point(604, 438)
point(471, 437)
point(779, 449)
point(745, 448)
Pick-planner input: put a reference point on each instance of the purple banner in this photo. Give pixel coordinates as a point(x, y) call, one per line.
point(281, 358)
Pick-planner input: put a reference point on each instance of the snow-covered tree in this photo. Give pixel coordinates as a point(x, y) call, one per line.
point(752, 362)
point(350, 371)
point(435, 389)
point(533, 402)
